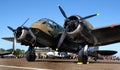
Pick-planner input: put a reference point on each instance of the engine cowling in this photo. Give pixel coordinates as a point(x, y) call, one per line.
point(74, 26)
point(78, 29)
point(24, 35)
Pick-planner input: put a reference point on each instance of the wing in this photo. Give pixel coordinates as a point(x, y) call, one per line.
point(107, 35)
point(10, 39)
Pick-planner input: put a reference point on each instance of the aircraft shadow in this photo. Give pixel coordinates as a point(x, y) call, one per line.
point(75, 61)
point(56, 60)
point(106, 62)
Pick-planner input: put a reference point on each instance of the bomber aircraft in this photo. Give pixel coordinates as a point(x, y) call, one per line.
point(77, 36)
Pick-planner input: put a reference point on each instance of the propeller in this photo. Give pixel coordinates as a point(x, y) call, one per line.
point(62, 11)
point(25, 22)
point(66, 28)
point(89, 16)
point(15, 39)
point(64, 32)
point(62, 38)
point(14, 42)
point(11, 28)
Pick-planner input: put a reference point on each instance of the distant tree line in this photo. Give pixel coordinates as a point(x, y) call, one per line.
point(2, 49)
point(17, 52)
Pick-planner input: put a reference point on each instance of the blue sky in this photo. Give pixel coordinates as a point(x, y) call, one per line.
point(15, 12)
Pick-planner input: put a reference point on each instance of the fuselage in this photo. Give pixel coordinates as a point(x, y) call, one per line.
point(48, 33)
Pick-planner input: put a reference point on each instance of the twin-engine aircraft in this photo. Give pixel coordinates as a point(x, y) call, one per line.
point(77, 36)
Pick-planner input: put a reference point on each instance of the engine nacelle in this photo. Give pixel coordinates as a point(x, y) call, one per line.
point(24, 35)
point(74, 26)
point(78, 29)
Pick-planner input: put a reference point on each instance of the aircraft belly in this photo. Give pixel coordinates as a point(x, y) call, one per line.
point(44, 41)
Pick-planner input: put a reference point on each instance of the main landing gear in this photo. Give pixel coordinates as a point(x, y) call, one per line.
point(30, 56)
point(83, 56)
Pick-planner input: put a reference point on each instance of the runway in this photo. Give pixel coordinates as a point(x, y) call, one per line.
point(57, 64)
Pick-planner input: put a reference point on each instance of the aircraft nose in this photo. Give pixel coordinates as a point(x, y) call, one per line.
point(21, 32)
point(18, 32)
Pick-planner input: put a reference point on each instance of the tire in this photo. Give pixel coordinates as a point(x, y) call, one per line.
point(30, 56)
point(81, 57)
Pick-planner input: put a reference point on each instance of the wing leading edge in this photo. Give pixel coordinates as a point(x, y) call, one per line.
point(107, 35)
point(11, 39)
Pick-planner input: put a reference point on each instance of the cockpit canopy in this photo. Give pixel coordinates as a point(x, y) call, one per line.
point(50, 22)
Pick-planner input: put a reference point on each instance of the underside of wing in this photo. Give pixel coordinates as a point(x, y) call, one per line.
point(107, 35)
point(10, 39)
point(106, 52)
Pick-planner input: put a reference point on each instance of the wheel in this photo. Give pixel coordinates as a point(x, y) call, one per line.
point(82, 58)
point(30, 56)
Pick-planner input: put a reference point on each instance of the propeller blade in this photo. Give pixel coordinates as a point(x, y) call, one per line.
point(14, 43)
point(61, 39)
point(25, 21)
point(11, 28)
point(89, 16)
point(62, 11)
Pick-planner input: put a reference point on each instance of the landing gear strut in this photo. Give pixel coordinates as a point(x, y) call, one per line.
point(30, 56)
point(83, 55)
